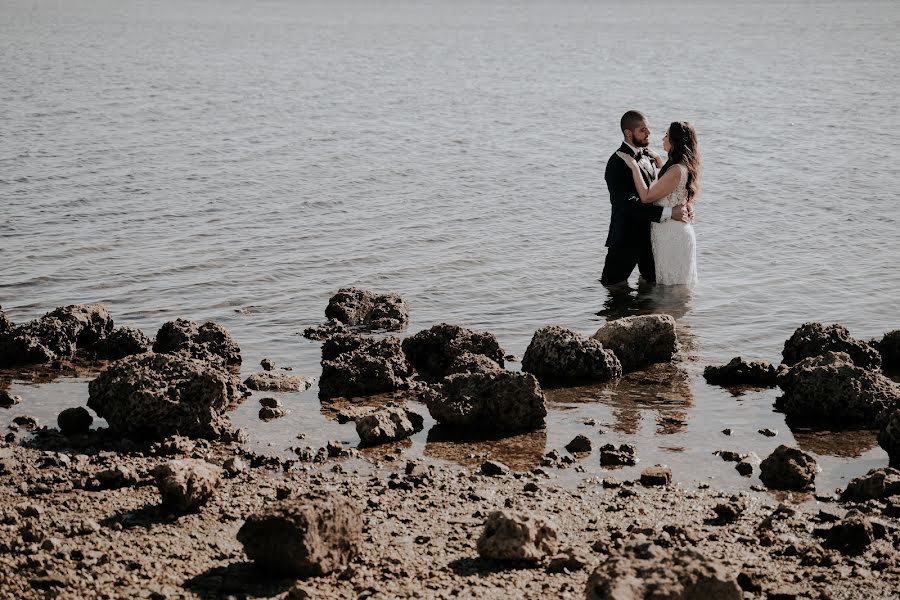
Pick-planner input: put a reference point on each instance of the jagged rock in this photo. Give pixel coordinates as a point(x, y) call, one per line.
point(831, 388)
point(234, 466)
point(656, 476)
point(266, 364)
point(354, 365)
point(73, 421)
point(852, 535)
point(624, 455)
point(570, 559)
point(741, 372)
point(509, 535)
point(434, 351)
point(874, 485)
point(889, 348)
point(268, 381)
point(159, 395)
point(729, 512)
point(494, 468)
point(122, 342)
point(5, 323)
point(303, 537)
point(267, 413)
point(579, 444)
point(640, 340)
point(325, 330)
point(58, 334)
point(789, 469)
point(744, 467)
point(269, 403)
point(472, 363)
point(209, 342)
point(645, 571)
point(7, 400)
point(388, 424)
point(558, 355)
point(356, 307)
point(26, 422)
point(187, 484)
point(500, 401)
point(815, 339)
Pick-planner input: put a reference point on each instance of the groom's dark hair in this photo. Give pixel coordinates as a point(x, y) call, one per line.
point(632, 119)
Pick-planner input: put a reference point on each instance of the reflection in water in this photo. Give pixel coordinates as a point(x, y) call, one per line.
point(520, 452)
point(845, 444)
point(339, 409)
point(625, 301)
point(48, 373)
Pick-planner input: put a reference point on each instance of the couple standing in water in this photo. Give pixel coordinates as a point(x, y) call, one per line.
point(652, 205)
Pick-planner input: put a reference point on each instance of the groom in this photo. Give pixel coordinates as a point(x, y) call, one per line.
point(629, 226)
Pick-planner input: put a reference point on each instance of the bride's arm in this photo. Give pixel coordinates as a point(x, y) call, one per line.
point(660, 188)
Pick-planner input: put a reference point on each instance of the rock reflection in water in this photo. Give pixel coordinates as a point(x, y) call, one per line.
point(844, 444)
point(520, 452)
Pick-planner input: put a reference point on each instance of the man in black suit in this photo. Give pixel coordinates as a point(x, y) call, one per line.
point(628, 241)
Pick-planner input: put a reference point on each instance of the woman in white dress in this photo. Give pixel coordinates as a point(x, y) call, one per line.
point(674, 242)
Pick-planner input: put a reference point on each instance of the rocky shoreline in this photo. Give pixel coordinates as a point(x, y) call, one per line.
point(169, 502)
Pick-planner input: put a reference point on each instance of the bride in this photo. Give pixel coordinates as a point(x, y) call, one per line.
point(674, 242)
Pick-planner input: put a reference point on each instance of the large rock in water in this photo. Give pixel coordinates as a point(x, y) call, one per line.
point(354, 365)
point(874, 485)
point(362, 308)
point(889, 348)
point(832, 389)
point(509, 535)
point(209, 342)
point(438, 352)
point(641, 340)
point(647, 571)
point(387, 425)
point(58, 334)
point(558, 355)
point(159, 395)
point(122, 342)
point(303, 537)
point(185, 485)
point(789, 469)
point(815, 339)
point(740, 372)
point(503, 401)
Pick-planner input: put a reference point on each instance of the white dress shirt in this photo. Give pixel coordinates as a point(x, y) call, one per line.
point(667, 211)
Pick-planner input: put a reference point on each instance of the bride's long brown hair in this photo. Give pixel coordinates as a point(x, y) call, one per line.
point(683, 142)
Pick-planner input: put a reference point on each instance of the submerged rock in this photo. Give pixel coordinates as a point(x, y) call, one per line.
point(187, 484)
point(354, 365)
point(789, 469)
point(387, 425)
point(209, 341)
point(362, 308)
point(640, 340)
point(874, 485)
point(303, 537)
point(814, 339)
point(509, 535)
point(889, 348)
point(159, 395)
point(436, 353)
point(325, 331)
point(73, 421)
point(58, 334)
point(645, 571)
point(501, 401)
point(269, 381)
point(832, 388)
point(559, 355)
point(122, 342)
point(741, 372)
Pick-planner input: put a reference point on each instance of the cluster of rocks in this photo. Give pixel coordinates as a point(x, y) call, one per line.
point(352, 309)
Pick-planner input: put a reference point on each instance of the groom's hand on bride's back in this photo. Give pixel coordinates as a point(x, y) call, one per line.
point(685, 214)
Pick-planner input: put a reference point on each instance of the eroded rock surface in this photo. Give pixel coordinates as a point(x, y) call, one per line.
point(354, 365)
point(436, 352)
point(740, 372)
point(557, 355)
point(58, 334)
point(889, 348)
point(187, 484)
point(303, 537)
point(640, 340)
point(362, 308)
point(387, 424)
point(122, 342)
point(159, 395)
point(874, 485)
point(74, 420)
point(815, 339)
point(832, 388)
point(789, 469)
point(509, 535)
point(500, 401)
point(209, 341)
point(274, 381)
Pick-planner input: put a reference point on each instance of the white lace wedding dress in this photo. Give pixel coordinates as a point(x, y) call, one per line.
point(674, 242)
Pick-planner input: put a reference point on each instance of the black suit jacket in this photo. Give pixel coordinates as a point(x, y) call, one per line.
point(629, 226)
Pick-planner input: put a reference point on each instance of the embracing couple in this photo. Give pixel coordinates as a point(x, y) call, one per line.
point(652, 210)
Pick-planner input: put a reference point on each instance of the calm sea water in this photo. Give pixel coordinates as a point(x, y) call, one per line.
point(239, 161)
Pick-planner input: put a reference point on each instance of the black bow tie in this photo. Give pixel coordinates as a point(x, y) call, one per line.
point(640, 154)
